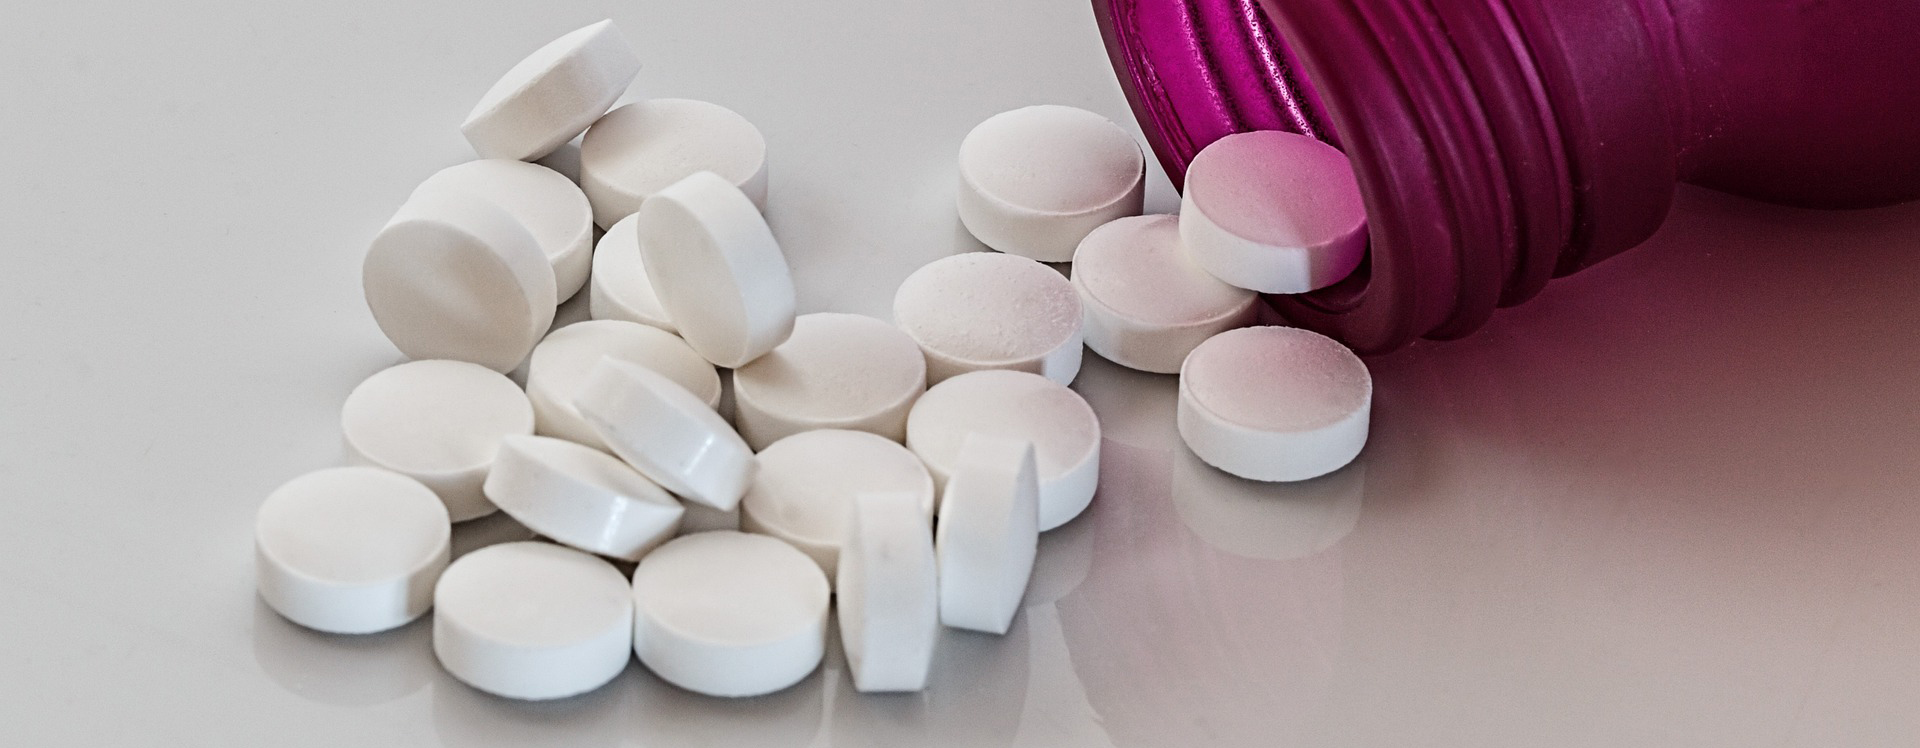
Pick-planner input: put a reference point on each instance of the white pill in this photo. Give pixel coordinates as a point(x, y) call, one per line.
point(438, 422)
point(982, 310)
point(729, 614)
point(350, 550)
point(641, 148)
point(1274, 212)
point(553, 94)
point(803, 492)
point(619, 288)
point(888, 594)
point(1016, 405)
point(455, 276)
point(665, 432)
point(1147, 303)
point(582, 497)
point(1274, 403)
point(561, 362)
point(837, 371)
point(532, 620)
point(716, 269)
point(1033, 181)
point(551, 207)
point(988, 533)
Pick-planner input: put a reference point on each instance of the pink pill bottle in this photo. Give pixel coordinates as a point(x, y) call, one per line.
point(1501, 143)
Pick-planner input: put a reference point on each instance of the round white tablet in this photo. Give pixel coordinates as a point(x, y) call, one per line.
point(837, 371)
point(982, 310)
point(553, 94)
point(716, 269)
point(455, 276)
point(562, 361)
point(1016, 405)
point(1147, 303)
point(803, 492)
point(532, 620)
point(729, 613)
point(988, 533)
point(665, 432)
point(889, 601)
point(1274, 403)
point(641, 148)
point(350, 550)
point(1274, 212)
point(581, 496)
point(438, 422)
point(1033, 181)
point(619, 288)
point(548, 204)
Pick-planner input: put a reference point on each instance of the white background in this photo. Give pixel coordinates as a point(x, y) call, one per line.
point(1672, 502)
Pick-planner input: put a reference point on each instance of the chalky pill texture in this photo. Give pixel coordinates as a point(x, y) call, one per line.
point(729, 614)
point(1035, 180)
point(582, 497)
point(1147, 304)
point(1063, 429)
point(553, 94)
point(804, 489)
point(438, 422)
point(983, 310)
point(641, 148)
point(546, 203)
point(666, 432)
point(619, 288)
point(350, 550)
point(835, 371)
point(888, 602)
point(1273, 212)
point(1274, 403)
point(988, 533)
point(455, 276)
point(562, 361)
point(532, 620)
point(716, 269)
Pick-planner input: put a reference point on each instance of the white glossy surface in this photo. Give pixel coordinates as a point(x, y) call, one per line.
point(886, 594)
point(532, 620)
point(561, 362)
point(666, 433)
point(350, 550)
point(988, 533)
point(1668, 502)
point(581, 497)
point(437, 422)
point(729, 614)
point(642, 148)
point(837, 371)
point(716, 269)
point(804, 488)
point(549, 205)
point(553, 94)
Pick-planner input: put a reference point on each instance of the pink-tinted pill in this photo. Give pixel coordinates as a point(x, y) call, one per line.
point(1273, 212)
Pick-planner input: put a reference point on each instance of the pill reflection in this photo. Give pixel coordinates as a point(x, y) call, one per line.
point(342, 669)
point(1276, 521)
point(661, 714)
point(465, 717)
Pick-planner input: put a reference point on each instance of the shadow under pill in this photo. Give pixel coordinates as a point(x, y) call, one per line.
point(342, 669)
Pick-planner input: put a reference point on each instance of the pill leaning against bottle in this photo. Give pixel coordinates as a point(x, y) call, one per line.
point(350, 550)
point(887, 594)
point(836, 370)
point(1035, 180)
point(729, 613)
point(438, 422)
point(532, 620)
point(1147, 303)
point(984, 310)
point(1274, 403)
point(553, 94)
point(1273, 212)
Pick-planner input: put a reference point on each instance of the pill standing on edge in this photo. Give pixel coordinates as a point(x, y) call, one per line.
point(887, 591)
point(350, 550)
point(983, 310)
point(552, 95)
point(641, 148)
point(729, 613)
point(1034, 180)
point(562, 361)
point(532, 620)
point(716, 268)
point(1274, 403)
point(666, 433)
point(438, 422)
point(581, 496)
point(1063, 429)
point(551, 207)
point(455, 276)
point(835, 371)
point(988, 533)
point(1147, 303)
point(1273, 212)
point(803, 492)
point(619, 288)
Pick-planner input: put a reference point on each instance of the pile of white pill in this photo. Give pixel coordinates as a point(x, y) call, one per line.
point(897, 474)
